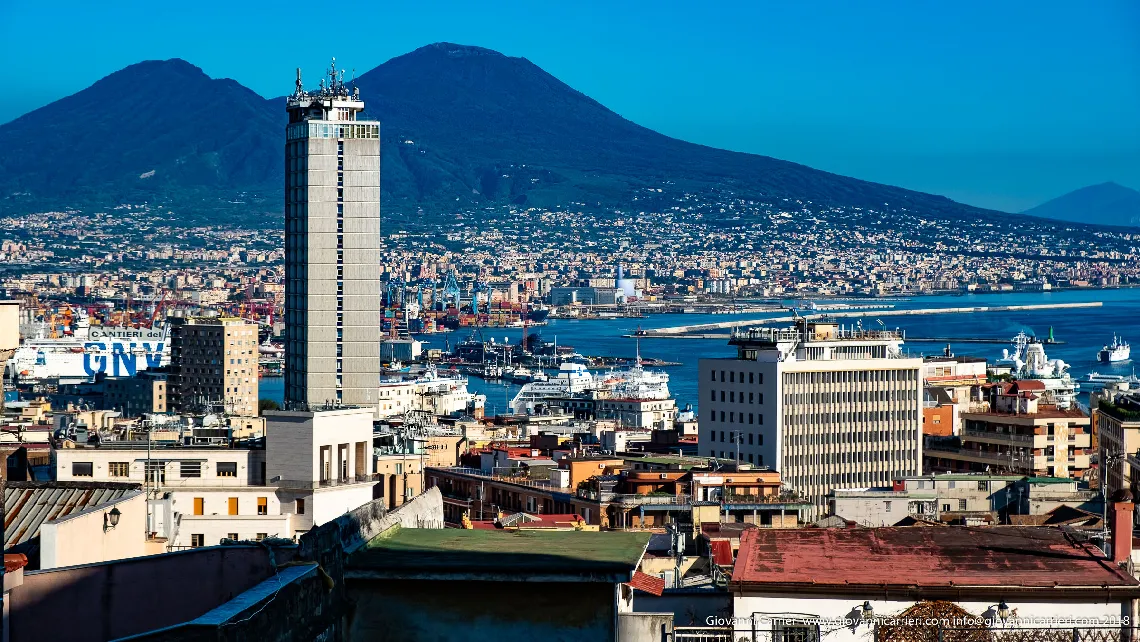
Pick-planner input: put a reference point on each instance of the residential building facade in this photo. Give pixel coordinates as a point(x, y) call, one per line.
point(213, 362)
point(1017, 434)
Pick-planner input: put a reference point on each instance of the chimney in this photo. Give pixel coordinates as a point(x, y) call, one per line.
point(1122, 513)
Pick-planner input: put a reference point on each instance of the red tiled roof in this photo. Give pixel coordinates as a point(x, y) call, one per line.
point(16, 561)
point(721, 551)
point(648, 583)
point(923, 557)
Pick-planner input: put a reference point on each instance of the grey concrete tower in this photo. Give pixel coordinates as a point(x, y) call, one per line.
point(332, 248)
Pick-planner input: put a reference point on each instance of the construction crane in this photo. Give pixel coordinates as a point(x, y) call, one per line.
point(161, 305)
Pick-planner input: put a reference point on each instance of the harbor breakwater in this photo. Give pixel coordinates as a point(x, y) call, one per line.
point(708, 330)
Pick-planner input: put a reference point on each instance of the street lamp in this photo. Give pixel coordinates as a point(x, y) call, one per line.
point(111, 519)
point(868, 612)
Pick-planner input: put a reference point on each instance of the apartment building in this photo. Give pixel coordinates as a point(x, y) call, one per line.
point(1118, 440)
point(969, 499)
point(1018, 434)
point(824, 405)
point(133, 396)
point(311, 468)
point(656, 414)
point(213, 361)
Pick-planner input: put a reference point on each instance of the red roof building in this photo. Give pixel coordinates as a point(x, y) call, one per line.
point(853, 577)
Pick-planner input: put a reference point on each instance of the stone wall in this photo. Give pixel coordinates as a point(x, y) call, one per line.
point(97, 602)
point(644, 627)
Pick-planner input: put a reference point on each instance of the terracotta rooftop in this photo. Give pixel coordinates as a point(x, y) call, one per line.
point(922, 558)
point(648, 583)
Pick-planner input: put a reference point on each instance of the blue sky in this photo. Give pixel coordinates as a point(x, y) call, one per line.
point(1002, 105)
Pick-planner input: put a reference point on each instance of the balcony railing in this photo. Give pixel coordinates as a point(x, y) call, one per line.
point(739, 498)
point(304, 484)
point(1004, 436)
point(702, 634)
point(644, 500)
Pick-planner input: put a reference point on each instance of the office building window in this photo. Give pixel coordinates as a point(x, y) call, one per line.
point(227, 469)
point(713, 397)
point(187, 469)
point(750, 377)
point(300, 506)
point(262, 506)
point(961, 504)
point(82, 469)
point(233, 537)
point(233, 503)
point(197, 540)
point(261, 536)
point(199, 506)
point(119, 469)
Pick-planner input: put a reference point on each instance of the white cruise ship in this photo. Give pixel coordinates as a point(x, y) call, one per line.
point(1029, 361)
point(571, 379)
point(1115, 352)
point(88, 351)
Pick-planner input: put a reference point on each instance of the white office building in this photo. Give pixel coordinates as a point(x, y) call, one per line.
point(311, 468)
point(332, 248)
point(826, 406)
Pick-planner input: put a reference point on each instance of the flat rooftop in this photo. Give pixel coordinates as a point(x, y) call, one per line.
point(411, 552)
point(1042, 413)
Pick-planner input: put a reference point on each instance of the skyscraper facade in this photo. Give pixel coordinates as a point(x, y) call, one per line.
point(332, 248)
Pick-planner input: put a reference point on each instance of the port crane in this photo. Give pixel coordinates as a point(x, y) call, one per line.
point(451, 289)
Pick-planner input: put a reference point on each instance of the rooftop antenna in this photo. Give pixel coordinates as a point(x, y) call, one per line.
point(300, 87)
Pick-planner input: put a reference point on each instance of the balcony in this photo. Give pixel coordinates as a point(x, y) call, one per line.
point(649, 501)
point(303, 484)
point(996, 437)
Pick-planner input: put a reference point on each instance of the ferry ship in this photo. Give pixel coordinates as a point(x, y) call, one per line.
point(85, 351)
point(1115, 352)
point(570, 380)
point(1029, 361)
point(574, 380)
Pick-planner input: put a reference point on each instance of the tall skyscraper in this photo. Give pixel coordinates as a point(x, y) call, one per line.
point(332, 247)
point(828, 407)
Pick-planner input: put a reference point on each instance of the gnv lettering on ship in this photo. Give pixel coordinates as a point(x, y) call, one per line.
point(123, 360)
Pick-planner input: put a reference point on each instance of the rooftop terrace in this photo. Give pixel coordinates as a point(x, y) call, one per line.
point(416, 552)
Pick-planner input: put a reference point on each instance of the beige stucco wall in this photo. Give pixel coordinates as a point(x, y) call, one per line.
point(80, 538)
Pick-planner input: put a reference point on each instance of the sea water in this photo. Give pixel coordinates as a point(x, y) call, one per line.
point(1084, 331)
